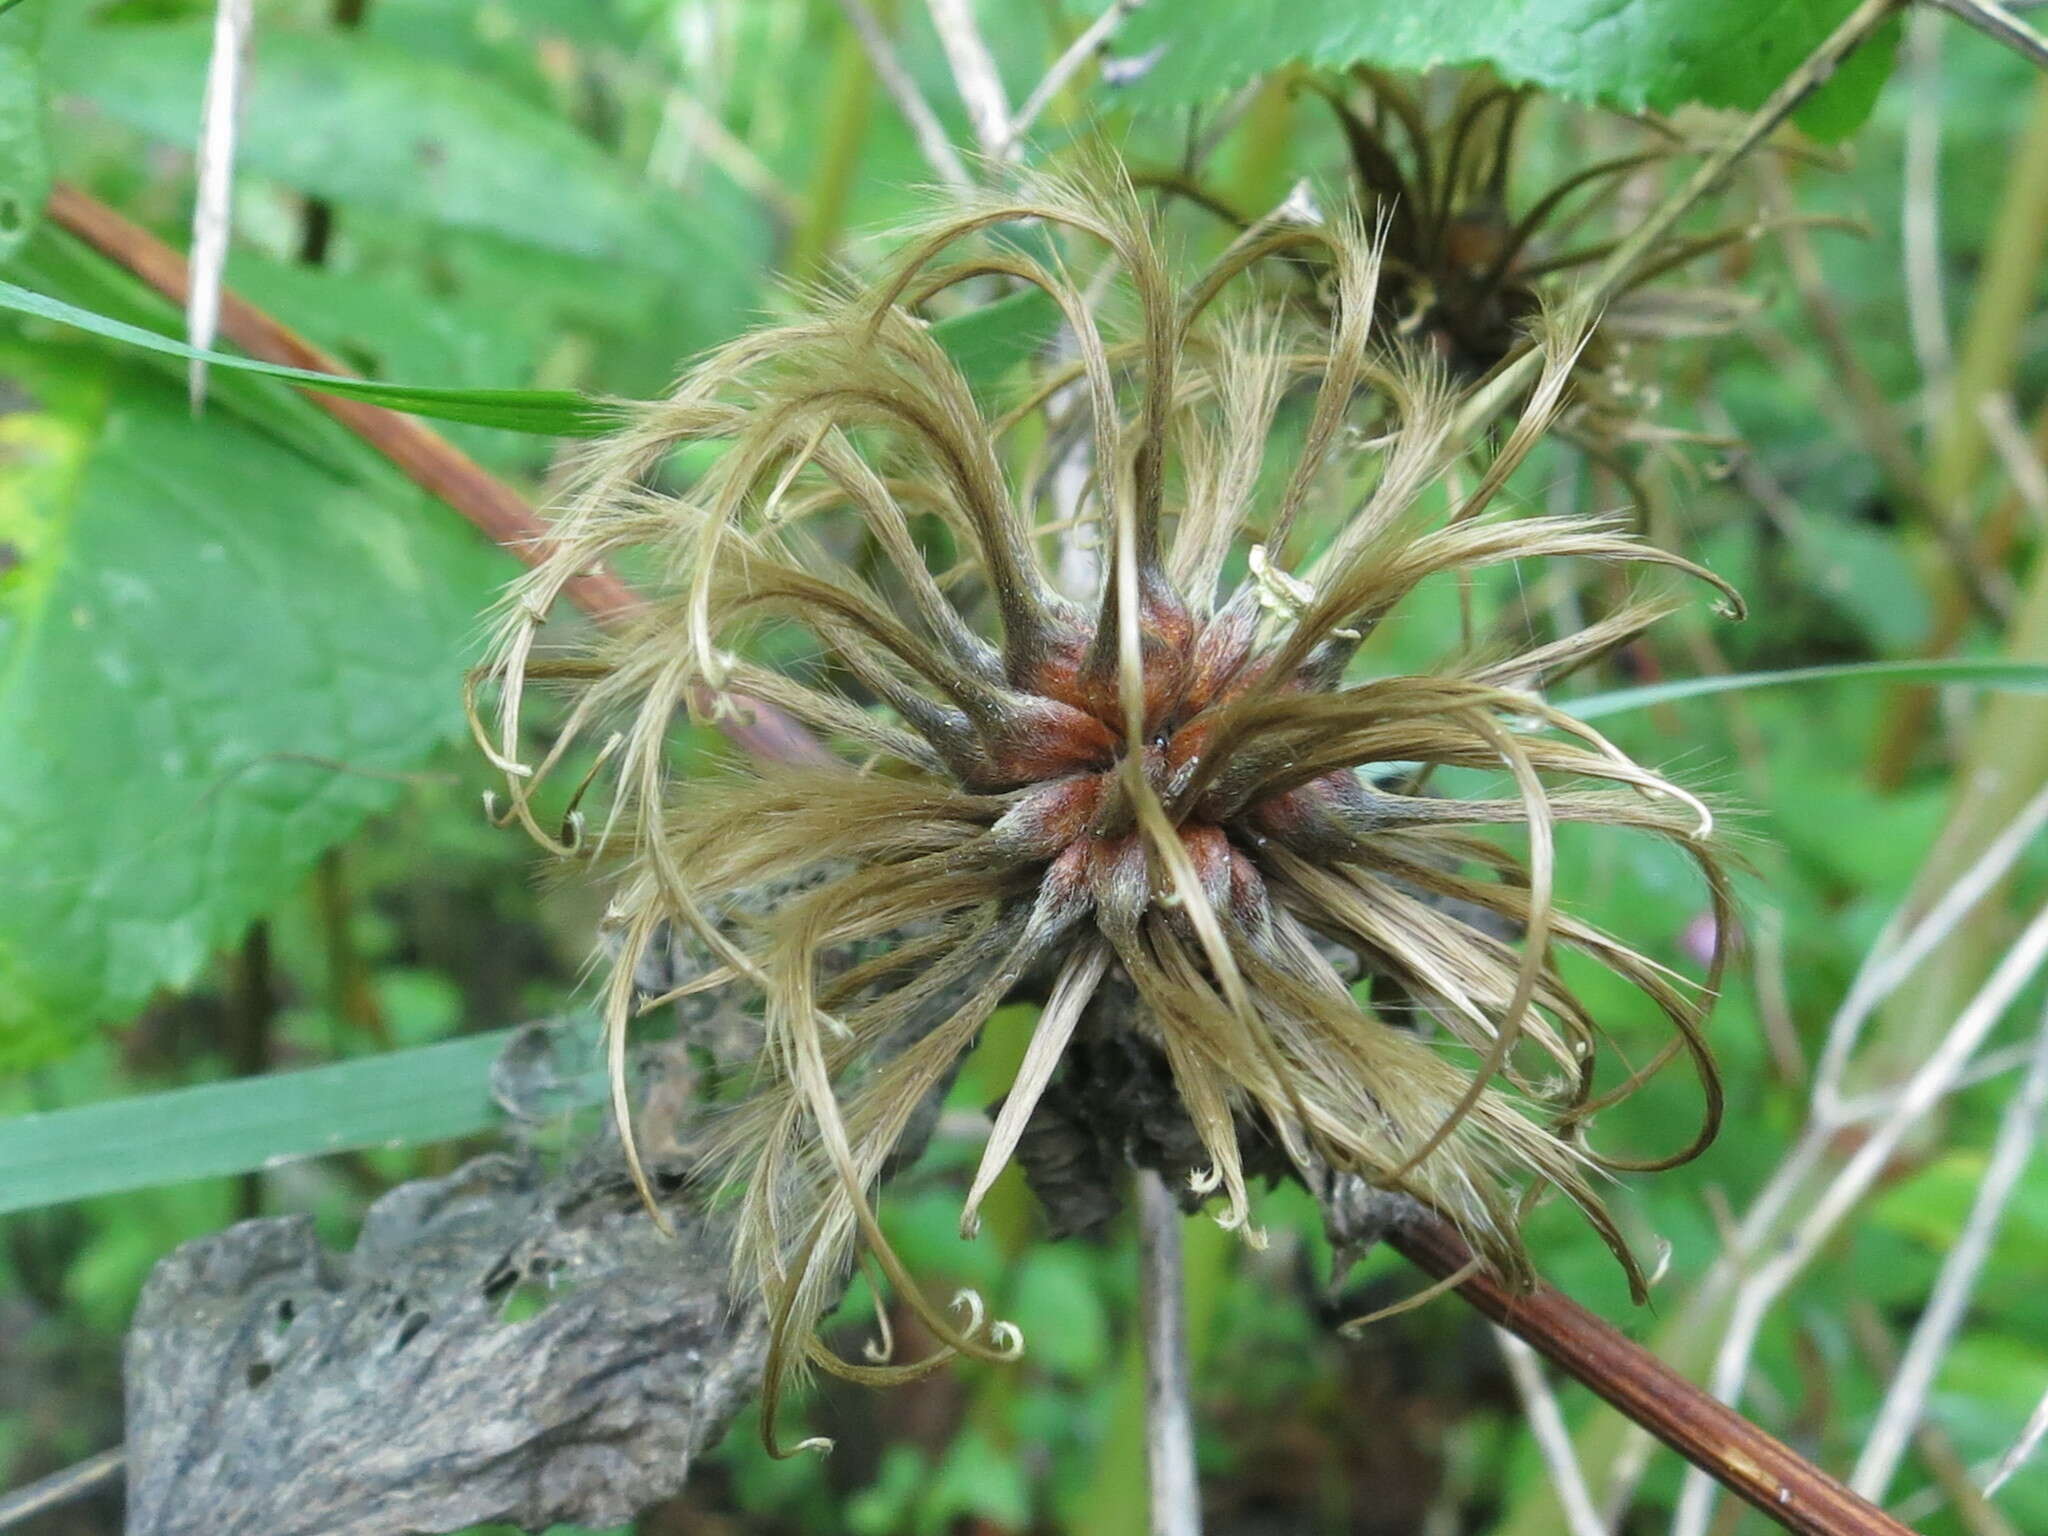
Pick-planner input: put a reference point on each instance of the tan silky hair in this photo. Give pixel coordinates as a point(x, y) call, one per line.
point(1158, 776)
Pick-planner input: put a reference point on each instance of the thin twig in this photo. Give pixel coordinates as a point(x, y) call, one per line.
point(974, 72)
point(1093, 39)
point(696, 123)
point(1906, 1398)
point(1952, 1476)
point(1990, 351)
point(61, 1488)
point(1176, 1500)
point(1994, 20)
point(2015, 1458)
point(429, 460)
point(1866, 1107)
point(1989, 587)
point(426, 458)
point(924, 123)
point(213, 202)
point(1896, 954)
point(1920, 217)
point(1553, 1440)
point(2022, 462)
point(1773, 995)
point(1870, 411)
point(1766, 1281)
point(1712, 1436)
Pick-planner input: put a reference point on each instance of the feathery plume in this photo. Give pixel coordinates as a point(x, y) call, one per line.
point(1163, 778)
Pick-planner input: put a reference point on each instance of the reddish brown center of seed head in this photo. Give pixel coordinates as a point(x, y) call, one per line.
point(1075, 812)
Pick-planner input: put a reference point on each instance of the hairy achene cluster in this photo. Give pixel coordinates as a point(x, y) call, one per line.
point(1086, 688)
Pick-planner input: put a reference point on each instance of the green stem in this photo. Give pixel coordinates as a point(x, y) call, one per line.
point(2003, 299)
point(2004, 764)
point(849, 105)
point(252, 1009)
point(1259, 170)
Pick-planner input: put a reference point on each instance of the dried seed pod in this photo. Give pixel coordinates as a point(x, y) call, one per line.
point(1471, 260)
point(1157, 776)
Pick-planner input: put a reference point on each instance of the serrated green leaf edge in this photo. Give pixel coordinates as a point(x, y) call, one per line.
point(2008, 676)
point(1541, 43)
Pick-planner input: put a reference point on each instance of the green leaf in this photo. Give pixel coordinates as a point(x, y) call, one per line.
point(372, 126)
point(1867, 572)
point(551, 412)
point(988, 342)
point(1630, 54)
point(216, 659)
point(24, 129)
point(2004, 676)
point(401, 324)
point(1931, 1206)
point(976, 1479)
point(1057, 1301)
point(430, 1093)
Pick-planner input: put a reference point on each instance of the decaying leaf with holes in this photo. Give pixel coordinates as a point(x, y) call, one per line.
point(503, 1344)
point(1165, 771)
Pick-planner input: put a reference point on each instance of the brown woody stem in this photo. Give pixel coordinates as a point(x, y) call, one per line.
point(1749, 1463)
point(422, 455)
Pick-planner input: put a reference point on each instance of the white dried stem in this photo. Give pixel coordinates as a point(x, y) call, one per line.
point(1866, 1107)
point(924, 123)
point(2009, 440)
point(1553, 1439)
point(1906, 1399)
point(1761, 1287)
point(1920, 216)
point(688, 124)
point(1175, 1495)
point(1892, 957)
point(2015, 1458)
point(1994, 20)
point(213, 203)
point(974, 72)
point(1092, 41)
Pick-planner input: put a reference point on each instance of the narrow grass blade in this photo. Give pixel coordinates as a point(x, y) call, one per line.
point(2008, 676)
point(985, 342)
point(548, 412)
point(430, 1093)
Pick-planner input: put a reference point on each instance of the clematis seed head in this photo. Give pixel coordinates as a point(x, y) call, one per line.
point(1090, 682)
